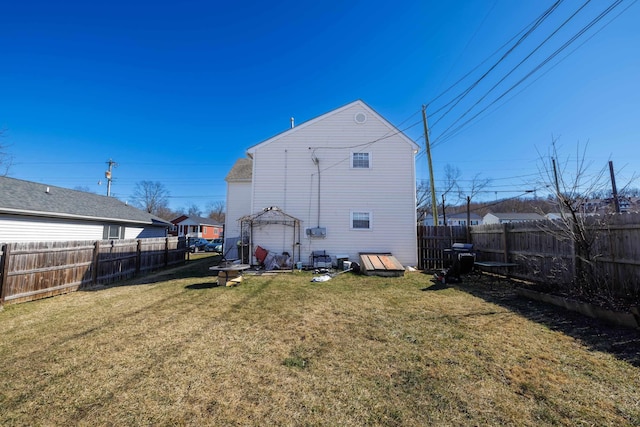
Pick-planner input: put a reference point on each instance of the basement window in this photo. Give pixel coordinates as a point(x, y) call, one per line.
point(360, 160)
point(361, 220)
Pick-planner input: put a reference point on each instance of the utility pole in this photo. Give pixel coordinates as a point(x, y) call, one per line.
point(614, 189)
point(468, 219)
point(555, 176)
point(107, 175)
point(434, 203)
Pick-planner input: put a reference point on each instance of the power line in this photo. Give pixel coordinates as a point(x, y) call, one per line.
point(482, 98)
point(443, 137)
point(464, 93)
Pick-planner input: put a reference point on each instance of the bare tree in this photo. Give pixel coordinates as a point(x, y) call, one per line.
point(6, 159)
point(571, 182)
point(451, 186)
point(453, 192)
point(194, 210)
point(165, 213)
point(217, 211)
point(150, 196)
point(423, 200)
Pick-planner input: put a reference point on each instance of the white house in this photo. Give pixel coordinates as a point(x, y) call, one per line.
point(461, 219)
point(30, 211)
point(503, 218)
point(347, 177)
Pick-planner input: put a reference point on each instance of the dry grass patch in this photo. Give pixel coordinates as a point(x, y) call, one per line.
point(280, 350)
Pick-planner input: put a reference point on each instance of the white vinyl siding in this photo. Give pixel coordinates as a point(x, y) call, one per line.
point(324, 194)
point(33, 229)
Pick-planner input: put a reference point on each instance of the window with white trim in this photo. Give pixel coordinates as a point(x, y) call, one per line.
point(113, 232)
point(361, 220)
point(361, 160)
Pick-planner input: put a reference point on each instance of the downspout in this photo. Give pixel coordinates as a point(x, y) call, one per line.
point(317, 162)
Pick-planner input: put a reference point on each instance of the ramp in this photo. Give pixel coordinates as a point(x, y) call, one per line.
point(380, 264)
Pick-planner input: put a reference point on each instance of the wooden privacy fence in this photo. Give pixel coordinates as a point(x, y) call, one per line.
point(433, 240)
point(34, 270)
point(543, 255)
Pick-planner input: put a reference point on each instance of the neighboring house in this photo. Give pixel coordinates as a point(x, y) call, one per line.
point(461, 219)
point(347, 176)
point(31, 211)
point(553, 216)
point(195, 226)
point(503, 218)
point(604, 206)
point(238, 203)
point(428, 220)
point(454, 219)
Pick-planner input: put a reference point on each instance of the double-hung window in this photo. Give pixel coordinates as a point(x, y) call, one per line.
point(361, 160)
point(360, 220)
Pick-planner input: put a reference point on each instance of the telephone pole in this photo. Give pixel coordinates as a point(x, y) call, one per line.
point(434, 203)
point(614, 189)
point(558, 193)
point(107, 175)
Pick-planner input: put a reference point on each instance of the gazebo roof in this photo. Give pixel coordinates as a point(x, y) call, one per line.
point(270, 215)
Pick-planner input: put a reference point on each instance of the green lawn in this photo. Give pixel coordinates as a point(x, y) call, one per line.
point(175, 349)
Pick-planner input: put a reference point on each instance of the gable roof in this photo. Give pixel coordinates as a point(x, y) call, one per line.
point(242, 171)
point(197, 220)
point(28, 198)
point(359, 103)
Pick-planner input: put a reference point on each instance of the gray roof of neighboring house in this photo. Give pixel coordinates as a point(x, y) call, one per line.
point(200, 220)
point(517, 215)
point(18, 197)
point(463, 215)
point(242, 170)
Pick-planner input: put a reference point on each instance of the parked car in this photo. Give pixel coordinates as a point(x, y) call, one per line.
point(197, 244)
point(214, 246)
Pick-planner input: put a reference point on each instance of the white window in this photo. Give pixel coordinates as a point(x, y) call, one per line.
point(361, 220)
point(361, 160)
point(112, 232)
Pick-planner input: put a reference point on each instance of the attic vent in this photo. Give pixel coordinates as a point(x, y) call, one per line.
point(360, 117)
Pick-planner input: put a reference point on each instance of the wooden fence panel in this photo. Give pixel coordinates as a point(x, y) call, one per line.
point(544, 254)
point(41, 269)
point(617, 253)
point(541, 255)
point(116, 260)
point(34, 270)
point(433, 240)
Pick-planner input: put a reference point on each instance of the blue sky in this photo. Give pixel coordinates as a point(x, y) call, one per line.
point(175, 92)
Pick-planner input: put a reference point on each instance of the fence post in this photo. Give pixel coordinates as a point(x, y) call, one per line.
point(138, 256)
point(166, 251)
point(504, 242)
point(4, 272)
point(96, 257)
